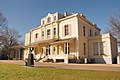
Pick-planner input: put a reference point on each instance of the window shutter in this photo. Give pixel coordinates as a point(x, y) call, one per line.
point(63, 31)
point(69, 26)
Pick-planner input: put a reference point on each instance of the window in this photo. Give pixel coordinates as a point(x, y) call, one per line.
point(95, 48)
point(95, 33)
point(90, 32)
point(54, 18)
point(36, 35)
point(43, 22)
point(48, 19)
point(84, 48)
point(98, 48)
point(101, 48)
point(54, 31)
point(42, 33)
point(66, 30)
point(48, 50)
point(84, 30)
point(66, 48)
point(48, 32)
point(54, 49)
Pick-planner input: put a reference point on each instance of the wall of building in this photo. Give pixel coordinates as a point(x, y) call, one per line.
point(27, 39)
point(107, 48)
point(72, 24)
point(75, 24)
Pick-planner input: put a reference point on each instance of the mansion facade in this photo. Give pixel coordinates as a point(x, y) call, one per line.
point(70, 38)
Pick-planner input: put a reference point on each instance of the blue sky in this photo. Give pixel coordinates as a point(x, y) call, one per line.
point(24, 15)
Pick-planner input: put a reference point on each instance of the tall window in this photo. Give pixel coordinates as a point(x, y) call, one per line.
point(48, 19)
point(54, 31)
point(95, 48)
point(84, 30)
point(48, 32)
point(90, 32)
point(36, 35)
point(54, 49)
point(84, 48)
point(95, 33)
point(66, 48)
point(98, 48)
point(43, 22)
point(66, 30)
point(48, 50)
point(42, 33)
point(54, 18)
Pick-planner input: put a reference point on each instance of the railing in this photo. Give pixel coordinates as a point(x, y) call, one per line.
point(61, 56)
point(45, 38)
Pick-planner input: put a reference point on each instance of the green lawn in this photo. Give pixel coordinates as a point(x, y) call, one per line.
point(18, 72)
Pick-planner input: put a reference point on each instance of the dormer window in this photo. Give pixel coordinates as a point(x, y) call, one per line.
point(36, 35)
point(48, 19)
point(42, 33)
point(43, 22)
point(54, 18)
point(66, 30)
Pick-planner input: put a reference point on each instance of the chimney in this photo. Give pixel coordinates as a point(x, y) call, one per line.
point(65, 14)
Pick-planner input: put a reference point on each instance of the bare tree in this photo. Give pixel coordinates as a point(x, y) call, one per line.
point(114, 23)
point(9, 38)
point(3, 22)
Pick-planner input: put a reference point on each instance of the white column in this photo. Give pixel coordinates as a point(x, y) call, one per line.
point(19, 53)
point(99, 48)
point(77, 49)
point(118, 59)
point(66, 56)
point(85, 60)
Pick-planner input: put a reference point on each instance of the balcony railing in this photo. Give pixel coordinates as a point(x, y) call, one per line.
point(49, 37)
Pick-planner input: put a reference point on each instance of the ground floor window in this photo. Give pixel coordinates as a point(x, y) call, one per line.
point(48, 50)
point(84, 45)
point(98, 48)
point(66, 48)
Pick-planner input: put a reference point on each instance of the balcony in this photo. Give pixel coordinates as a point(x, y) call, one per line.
point(47, 39)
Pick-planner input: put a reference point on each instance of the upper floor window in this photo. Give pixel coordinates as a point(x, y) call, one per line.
point(48, 32)
point(54, 31)
point(42, 33)
point(90, 32)
point(95, 48)
point(66, 28)
point(83, 30)
point(36, 35)
point(48, 19)
point(96, 33)
point(54, 49)
point(54, 18)
point(43, 22)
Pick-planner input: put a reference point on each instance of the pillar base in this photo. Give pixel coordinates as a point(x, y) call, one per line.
point(66, 61)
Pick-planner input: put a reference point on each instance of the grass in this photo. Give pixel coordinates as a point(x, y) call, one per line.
point(18, 72)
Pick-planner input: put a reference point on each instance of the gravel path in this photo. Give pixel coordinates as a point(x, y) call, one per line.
point(100, 67)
